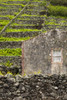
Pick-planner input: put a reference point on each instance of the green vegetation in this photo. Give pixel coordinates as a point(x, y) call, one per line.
point(13, 4)
point(55, 15)
point(2, 7)
point(4, 22)
point(12, 0)
point(10, 52)
point(9, 73)
point(1, 27)
point(21, 30)
point(44, 3)
point(58, 2)
point(59, 17)
point(1, 73)
point(2, 39)
point(60, 22)
point(57, 10)
point(51, 23)
point(8, 16)
point(31, 5)
point(7, 63)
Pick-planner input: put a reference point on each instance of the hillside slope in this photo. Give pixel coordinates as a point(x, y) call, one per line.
point(38, 17)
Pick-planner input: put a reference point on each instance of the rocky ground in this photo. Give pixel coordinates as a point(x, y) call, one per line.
point(36, 87)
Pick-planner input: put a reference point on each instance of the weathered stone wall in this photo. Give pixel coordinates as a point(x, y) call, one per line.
point(37, 52)
point(33, 88)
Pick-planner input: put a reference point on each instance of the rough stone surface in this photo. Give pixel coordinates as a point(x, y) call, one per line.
point(36, 87)
point(36, 52)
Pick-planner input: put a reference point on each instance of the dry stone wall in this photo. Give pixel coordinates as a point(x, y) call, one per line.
point(16, 60)
point(48, 27)
point(10, 44)
point(21, 34)
point(36, 87)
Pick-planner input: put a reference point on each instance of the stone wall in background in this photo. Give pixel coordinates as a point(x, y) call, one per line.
point(36, 87)
point(48, 27)
point(10, 44)
point(21, 34)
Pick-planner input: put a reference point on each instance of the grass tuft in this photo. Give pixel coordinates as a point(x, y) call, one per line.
point(10, 52)
point(21, 30)
point(2, 39)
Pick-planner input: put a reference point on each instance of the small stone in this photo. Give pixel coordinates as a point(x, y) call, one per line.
point(5, 85)
point(18, 98)
point(16, 84)
point(53, 94)
point(23, 88)
point(55, 88)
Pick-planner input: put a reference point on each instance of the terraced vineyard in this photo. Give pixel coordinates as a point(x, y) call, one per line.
point(22, 19)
